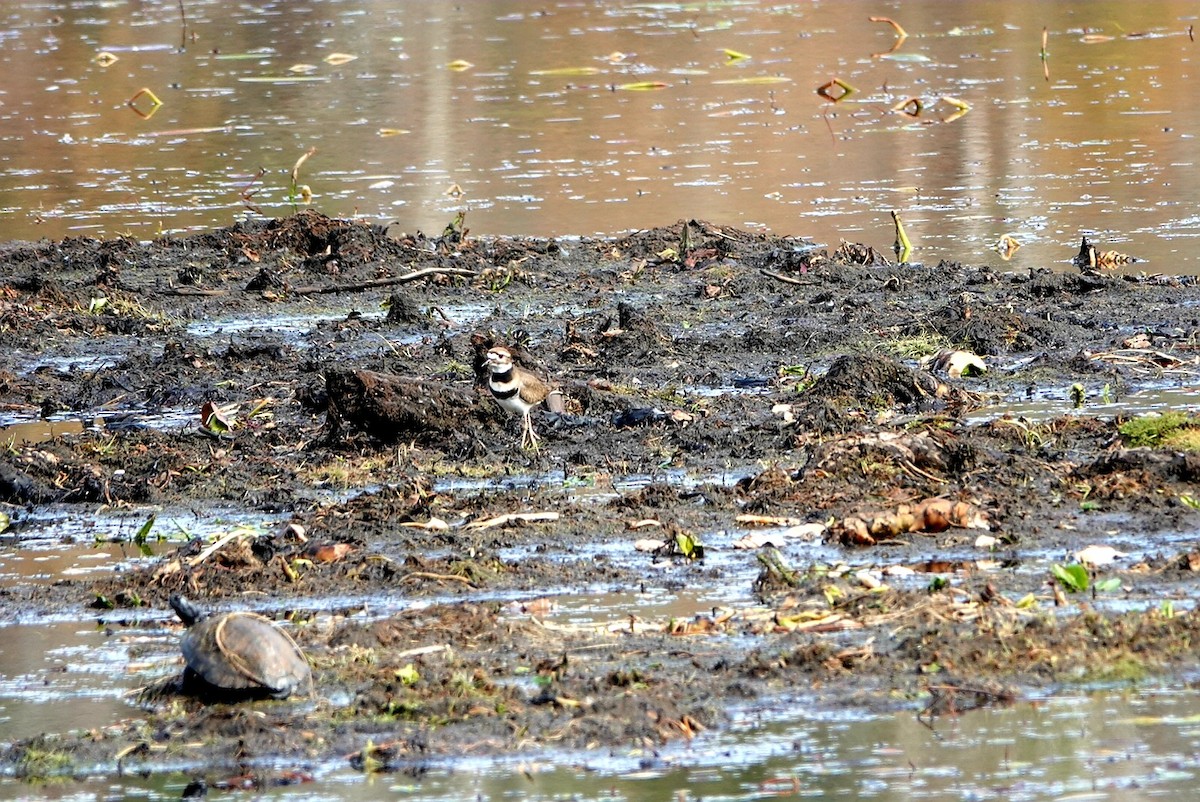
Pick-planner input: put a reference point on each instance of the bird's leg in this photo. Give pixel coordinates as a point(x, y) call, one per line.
point(528, 438)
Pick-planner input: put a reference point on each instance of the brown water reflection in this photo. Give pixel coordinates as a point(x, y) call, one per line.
point(1105, 146)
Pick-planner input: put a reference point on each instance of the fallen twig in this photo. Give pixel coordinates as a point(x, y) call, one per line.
point(422, 650)
point(524, 517)
point(783, 278)
point(216, 545)
point(436, 577)
point(381, 282)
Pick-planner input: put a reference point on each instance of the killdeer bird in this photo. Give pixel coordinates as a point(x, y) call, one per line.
point(517, 390)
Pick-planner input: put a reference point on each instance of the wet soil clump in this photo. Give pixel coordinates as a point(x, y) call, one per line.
point(746, 419)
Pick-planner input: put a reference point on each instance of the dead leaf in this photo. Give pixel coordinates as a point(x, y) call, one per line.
point(1007, 246)
point(328, 553)
point(215, 419)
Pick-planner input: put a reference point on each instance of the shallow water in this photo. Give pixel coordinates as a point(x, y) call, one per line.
point(1103, 745)
point(67, 674)
point(538, 137)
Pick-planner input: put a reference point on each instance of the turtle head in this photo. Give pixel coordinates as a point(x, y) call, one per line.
point(188, 613)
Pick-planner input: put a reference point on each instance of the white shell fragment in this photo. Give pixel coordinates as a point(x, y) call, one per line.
point(1098, 555)
point(955, 364)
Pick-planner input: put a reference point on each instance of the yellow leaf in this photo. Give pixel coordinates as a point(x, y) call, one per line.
point(105, 59)
point(155, 103)
point(756, 80)
point(643, 86)
point(569, 71)
point(302, 69)
point(734, 55)
point(282, 79)
point(393, 131)
point(339, 58)
point(459, 65)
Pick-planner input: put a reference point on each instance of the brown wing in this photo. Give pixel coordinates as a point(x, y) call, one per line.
point(533, 389)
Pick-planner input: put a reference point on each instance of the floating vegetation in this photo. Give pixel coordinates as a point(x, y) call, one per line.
point(244, 56)
point(299, 191)
point(459, 65)
point(1092, 258)
point(337, 59)
point(213, 129)
point(155, 103)
point(901, 35)
point(1006, 246)
point(756, 80)
point(912, 106)
point(915, 106)
point(914, 58)
point(642, 86)
point(826, 90)
point(1044, 55)
point(569, 71)
point(283, 79)
point(961, 107)
point(902, 246)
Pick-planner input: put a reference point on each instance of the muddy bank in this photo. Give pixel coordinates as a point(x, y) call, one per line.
point(326, 375)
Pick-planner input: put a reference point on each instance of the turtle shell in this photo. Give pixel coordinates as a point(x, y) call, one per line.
point(245, 652)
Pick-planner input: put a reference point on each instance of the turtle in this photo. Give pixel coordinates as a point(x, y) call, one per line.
point(239, 654)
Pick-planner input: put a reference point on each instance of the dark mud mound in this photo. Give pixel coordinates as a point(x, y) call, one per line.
point(394, 409)
point(875, 383)
point(864, 385)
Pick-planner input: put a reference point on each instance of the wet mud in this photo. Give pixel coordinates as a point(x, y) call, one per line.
point(753, 384)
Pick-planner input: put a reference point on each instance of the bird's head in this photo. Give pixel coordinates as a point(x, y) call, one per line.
point(499, 359)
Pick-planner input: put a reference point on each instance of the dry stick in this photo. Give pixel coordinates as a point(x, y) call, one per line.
point(381, 282)
point(421, 650)
point(208, 552)
point(785, 279)
point(501, 520)
point(183, 27)
point(193, 291)
point(332, 288)
point(438, 577)
point(1045, 54)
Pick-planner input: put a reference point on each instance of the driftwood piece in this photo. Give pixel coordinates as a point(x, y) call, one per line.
point(391, 281)
point(402, 409)
point(324, 289)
